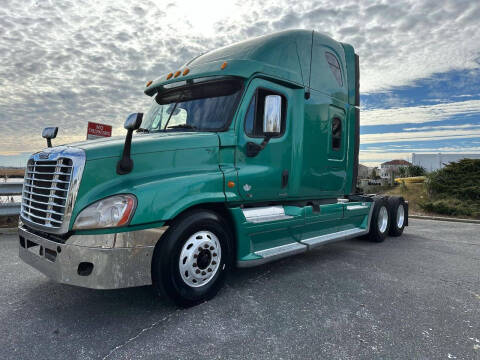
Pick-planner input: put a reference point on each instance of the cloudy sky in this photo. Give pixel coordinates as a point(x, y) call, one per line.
point(65, 63)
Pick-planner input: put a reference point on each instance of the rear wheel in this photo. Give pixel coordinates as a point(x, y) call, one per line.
point(380, 221)
point(191, 260)
point(398, 215)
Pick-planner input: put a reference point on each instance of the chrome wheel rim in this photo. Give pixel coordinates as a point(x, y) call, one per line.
point(382, 219)
point(400, 216)
point(200, 258)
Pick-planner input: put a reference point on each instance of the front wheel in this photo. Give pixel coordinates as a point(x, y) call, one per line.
point(191, 260)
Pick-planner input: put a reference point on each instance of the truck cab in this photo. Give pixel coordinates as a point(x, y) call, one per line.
point(247, 154)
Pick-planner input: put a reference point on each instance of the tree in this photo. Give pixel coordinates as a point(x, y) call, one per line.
point(415, 170)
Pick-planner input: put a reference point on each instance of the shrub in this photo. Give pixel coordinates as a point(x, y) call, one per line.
point(452, 207)
point(457, 179)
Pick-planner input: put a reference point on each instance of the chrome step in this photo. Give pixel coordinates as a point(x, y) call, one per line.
point(336, 236)
point(275, 253)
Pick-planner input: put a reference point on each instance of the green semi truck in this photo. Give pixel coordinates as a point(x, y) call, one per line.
point(248, 154)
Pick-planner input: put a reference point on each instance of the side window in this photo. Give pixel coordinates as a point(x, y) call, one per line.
point(336, 134)
point(334, 67)
point(254, 118)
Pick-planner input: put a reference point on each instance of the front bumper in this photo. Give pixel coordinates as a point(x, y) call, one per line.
point(109, 261)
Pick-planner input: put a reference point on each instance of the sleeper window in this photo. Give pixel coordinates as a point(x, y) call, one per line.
point(334, 67)
point(336, 133)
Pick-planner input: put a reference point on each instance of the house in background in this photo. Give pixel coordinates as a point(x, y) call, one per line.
point(389, 167)
point(432, 162)
point(363, 172)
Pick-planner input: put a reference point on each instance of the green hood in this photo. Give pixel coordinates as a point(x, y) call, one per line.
point(171, 170)
point(146, 143)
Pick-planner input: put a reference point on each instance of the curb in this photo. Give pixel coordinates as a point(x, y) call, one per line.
point(440, 218)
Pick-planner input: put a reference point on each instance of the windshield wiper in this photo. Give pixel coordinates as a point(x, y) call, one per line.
point(142, 130)
point(183, 126)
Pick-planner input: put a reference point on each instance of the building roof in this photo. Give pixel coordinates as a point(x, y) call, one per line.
point(397, 162)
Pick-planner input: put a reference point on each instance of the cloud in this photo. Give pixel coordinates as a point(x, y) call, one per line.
point(67, 63)
point(443, 127)
point(419, 114)
point(418, 136)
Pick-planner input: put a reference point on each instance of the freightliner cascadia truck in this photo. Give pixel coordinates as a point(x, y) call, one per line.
point(247, 154)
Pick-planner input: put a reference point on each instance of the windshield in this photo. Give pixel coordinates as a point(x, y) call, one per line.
point(207, 106)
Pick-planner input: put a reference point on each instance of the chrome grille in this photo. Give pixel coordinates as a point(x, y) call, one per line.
point(45, 191)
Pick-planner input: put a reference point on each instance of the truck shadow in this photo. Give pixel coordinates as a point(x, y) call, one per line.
point(145, 297)
point(128, 310)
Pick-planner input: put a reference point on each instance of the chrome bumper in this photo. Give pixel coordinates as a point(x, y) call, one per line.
point(109, 261)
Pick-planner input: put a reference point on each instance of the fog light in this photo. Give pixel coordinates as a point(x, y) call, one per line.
point(85, 268)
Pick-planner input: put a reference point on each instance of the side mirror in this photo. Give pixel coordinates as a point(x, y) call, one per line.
point(133, 122)
point(272, 115)
point(272, 124)
point(49, 133)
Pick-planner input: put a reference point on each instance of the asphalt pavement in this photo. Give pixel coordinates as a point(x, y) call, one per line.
point(412, 297)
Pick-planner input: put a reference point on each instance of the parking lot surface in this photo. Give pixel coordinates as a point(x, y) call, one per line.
point(413, 297)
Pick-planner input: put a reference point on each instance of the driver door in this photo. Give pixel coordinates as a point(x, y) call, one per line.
point(264, 176)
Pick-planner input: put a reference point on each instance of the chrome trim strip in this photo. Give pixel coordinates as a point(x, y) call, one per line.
point(275, 253)
point(356, 207)
point(265, 213)
point(282, 250)
point(78, 160)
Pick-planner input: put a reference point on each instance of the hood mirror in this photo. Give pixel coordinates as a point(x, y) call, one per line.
point(49, 133)
point(133, 122)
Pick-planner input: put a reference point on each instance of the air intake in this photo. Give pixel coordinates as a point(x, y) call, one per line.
point(45, 191)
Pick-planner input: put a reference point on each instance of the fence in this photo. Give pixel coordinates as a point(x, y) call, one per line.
point(10, 189)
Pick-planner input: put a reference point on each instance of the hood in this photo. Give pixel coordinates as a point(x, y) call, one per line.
point(146, 143)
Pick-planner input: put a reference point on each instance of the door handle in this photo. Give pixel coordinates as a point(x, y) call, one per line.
point(284, 178)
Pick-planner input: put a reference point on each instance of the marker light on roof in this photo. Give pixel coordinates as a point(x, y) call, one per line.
point(177, 73)
point(149, 83)
point(186, 71)
point(224, 65)
point(169, 76)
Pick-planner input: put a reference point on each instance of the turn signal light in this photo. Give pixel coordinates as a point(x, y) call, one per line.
point(231, 184)
point(224, 65)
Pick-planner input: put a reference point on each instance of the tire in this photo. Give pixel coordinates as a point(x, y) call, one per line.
point(398, 215)
point(185, 266)
point(380, 222)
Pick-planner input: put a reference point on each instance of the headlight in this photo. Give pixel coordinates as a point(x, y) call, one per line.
point(113, 211)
